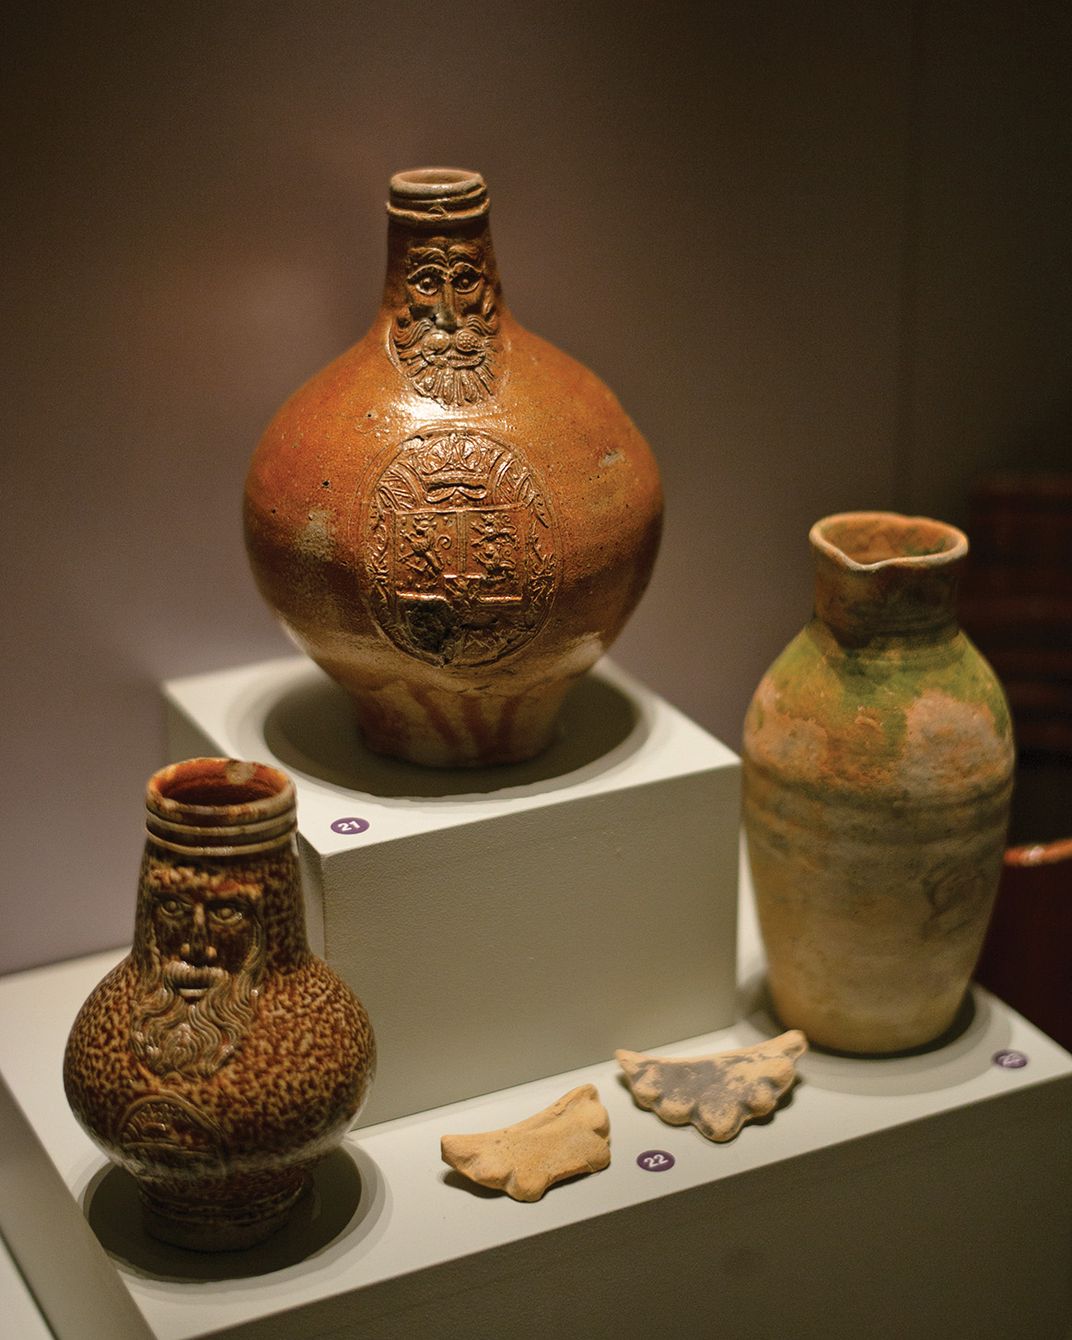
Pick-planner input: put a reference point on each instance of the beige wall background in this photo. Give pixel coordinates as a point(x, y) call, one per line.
point(819, 250)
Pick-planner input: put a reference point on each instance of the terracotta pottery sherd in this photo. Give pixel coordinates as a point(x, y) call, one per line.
point(564, 1140)
point(454, 519)
point(716, 1093)
point(221, 1059)
point(878, 761)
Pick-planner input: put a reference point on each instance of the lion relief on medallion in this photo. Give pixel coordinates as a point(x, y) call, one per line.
point(461, 550)
point(444, 338)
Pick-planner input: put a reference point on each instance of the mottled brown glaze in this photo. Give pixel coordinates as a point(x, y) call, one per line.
point(454, 519)
point(220, 1059)
point(878, 763)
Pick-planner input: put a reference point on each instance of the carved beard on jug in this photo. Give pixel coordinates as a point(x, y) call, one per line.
point(454, 519)
point(192, 1016)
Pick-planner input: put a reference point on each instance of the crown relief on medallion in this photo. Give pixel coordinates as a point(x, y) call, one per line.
point(461, 554)
point(444, 336)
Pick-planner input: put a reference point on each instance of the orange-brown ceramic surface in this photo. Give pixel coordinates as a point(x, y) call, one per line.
point(454, 518)
point(221, 1058)
point(878, 772)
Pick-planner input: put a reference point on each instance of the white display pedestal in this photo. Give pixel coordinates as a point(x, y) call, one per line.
point(503, 923)
point(22, 1316)
point(925, 1196)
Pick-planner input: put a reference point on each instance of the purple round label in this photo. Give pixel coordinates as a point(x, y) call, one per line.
point(1010, 1060)
point(655, 1160)
point(349, 826)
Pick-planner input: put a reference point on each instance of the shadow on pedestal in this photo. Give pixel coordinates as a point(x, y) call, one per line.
point(312, 731)
point(965, 1049)
point(343, 1205)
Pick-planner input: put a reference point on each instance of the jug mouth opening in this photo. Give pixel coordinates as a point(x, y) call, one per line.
point(209, 783)
point(215, 804)
point(434, 181)
point(869, 540)
point(434, 195)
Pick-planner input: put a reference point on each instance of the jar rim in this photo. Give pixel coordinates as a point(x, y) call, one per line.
point(219, 791)
point(437, 195)
point(431, 182)
point(871, 541)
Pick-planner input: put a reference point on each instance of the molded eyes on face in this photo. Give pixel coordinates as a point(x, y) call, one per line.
point(426, 282)
point(225, 914)
point(220, 914)
point(465, 279)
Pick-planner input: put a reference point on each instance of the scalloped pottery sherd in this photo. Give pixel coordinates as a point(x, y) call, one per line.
point(720, 1092)
point(878, 762)
point(221, 1058)
point(454, 519)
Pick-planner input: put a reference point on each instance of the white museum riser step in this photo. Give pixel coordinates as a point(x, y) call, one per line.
point(505, 923)
point(920, 1196)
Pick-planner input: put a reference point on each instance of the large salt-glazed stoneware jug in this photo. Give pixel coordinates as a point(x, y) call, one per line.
point(454, 519)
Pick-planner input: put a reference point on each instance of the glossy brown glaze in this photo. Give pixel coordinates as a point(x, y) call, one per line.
point(220, 1059)
point(878, 763)
point(454, 519)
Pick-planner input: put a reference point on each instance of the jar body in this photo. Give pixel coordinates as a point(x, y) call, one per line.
point(456, 523)
point(221, 1058)
point(878, 772)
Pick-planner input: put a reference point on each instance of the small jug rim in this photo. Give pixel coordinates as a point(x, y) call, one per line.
point(262, 791)
point(954, 548)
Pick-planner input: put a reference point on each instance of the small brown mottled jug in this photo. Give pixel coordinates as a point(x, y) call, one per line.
point(221, 1059)
point(454, 519)
point(878, 773)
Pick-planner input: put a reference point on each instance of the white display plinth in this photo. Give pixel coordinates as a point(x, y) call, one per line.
point(500, 923)
point(20, 1312)
point(924, 1196)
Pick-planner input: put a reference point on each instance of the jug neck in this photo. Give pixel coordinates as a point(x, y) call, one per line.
point(442, 296)
point(220, 886)
point(883, 575)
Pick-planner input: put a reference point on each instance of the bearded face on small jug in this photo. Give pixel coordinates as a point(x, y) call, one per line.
point(204, 961)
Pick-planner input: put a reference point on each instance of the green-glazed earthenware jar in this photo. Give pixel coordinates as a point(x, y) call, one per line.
point(878, 773)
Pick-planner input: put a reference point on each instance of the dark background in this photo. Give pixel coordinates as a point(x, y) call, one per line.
point(820, 250)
